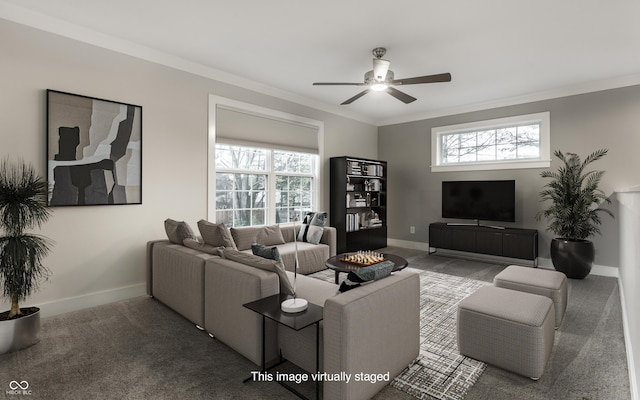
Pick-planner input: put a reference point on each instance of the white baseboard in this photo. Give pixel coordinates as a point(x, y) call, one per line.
point(633, 383)
point(601, 270)
point(69, 304)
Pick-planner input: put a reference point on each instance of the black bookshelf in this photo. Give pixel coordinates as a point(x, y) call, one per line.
point(358, 200)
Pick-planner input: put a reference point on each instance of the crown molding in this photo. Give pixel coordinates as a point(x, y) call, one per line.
point(582, 88)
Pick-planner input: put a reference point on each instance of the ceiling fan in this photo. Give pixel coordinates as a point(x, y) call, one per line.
point(381, 79)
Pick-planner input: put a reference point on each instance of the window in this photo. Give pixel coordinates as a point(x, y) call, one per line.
point(506, 143)
point(258, 186)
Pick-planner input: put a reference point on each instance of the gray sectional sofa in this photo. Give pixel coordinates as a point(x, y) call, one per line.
point(373, 329)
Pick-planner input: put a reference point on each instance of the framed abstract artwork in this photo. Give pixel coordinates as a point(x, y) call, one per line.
point(94, 151)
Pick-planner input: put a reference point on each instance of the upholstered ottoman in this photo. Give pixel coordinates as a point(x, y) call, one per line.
point(507, 328)
point(552, 284)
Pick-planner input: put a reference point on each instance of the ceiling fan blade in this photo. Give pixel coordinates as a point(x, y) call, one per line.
point(356, 97)
point(423, 79)
point(338, 84)
point(405, 98)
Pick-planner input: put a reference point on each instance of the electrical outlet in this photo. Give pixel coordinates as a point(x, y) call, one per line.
point(412, 229)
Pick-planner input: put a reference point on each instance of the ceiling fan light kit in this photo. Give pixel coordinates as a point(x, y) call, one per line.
point(381, 78)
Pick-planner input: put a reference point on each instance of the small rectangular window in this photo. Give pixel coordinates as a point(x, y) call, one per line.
point(505, 143)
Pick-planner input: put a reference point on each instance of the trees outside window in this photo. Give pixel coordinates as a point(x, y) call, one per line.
point(258, 186)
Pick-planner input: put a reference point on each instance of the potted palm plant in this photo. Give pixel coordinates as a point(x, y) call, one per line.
point(574, 210)
point(23, 206)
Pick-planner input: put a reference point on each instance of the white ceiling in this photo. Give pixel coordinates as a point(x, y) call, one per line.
point(498, 51)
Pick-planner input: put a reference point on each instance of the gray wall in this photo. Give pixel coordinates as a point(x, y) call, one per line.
point(99, 252)
point(580, 124)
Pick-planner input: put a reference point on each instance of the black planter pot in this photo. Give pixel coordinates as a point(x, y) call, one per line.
point(573, 257)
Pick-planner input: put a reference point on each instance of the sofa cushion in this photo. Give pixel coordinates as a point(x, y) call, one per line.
point(311, 257)
point(262, 263)
point(263, 251)
point(312, 227)
point(178, 231)
point(216, 235)
point(203, 247)
point(268, 235)
point(366, 274)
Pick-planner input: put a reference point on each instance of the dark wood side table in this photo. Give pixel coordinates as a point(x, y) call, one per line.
point(338, 266)
point(269, 307)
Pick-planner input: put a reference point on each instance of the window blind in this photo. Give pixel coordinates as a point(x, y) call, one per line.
point(242, 128)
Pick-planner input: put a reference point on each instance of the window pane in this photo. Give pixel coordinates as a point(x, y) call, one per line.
point(531, 150)
point(451, 155)
point(257, 217)
point(467, 155)
point(506, 151)
point(305, 184)
point(306, 199)
point(238, 157)
point(224, 181)
point(242, 218)
point(225, 216)
point(295, 183)
point(306, 164)
point(450, 148)
point(529, 133)
point(224, 200)
point(241, 182)
point(487, 153)
point(223, 156)
point(467, 139)
point(506, 135)
point(258, 182)
point(258, 199)
point(486, 138)
point(242, 199)
point(282, 182)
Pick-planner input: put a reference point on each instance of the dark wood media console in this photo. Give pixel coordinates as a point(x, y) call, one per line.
point(504, 242)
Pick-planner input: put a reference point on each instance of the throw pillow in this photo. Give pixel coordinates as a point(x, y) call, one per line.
point(178, 231)
point(216, 235)
point(203, 247)
point(366, 274)
point(245, 236)
point(262, 263)
point(263, 251)
point(312, 227)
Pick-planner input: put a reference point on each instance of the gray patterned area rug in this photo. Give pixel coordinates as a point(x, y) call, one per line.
point(440, 372)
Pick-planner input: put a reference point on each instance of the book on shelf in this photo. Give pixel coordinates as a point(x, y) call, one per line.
point(374, 170)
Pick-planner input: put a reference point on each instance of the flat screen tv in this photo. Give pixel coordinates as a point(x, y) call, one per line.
point(479, 200)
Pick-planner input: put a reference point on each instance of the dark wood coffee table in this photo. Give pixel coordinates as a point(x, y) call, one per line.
point(338, 266)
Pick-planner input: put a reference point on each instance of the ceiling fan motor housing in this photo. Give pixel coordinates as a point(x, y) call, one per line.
point(380, 68)
point(370, 77)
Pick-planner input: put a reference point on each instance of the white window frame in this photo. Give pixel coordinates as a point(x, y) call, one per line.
point(271, 176)
point(544, 161)
point(218, 101)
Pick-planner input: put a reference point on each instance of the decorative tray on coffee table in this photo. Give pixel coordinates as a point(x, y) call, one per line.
point(364, 258)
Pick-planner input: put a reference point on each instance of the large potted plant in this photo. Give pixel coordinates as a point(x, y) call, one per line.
point(574, 210)
point(23, 206)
